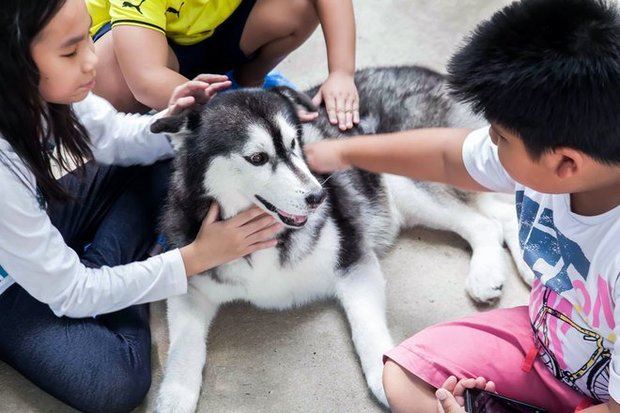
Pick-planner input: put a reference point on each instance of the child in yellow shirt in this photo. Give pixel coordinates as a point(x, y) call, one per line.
point(146, 48)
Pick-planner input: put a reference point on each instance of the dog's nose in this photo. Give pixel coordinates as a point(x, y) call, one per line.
point(315, 199)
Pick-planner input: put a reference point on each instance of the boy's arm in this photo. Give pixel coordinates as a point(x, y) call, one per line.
point(422, 154)
point(146, 69)
point(339, 92)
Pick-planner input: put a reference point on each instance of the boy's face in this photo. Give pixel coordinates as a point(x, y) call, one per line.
point(559, 171)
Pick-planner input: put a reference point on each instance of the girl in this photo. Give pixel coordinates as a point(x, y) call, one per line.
point(67, 247)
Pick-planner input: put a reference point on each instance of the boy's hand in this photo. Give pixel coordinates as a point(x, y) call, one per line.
point(450, 397)
point(200, 91)
point(326, 156)
point(341, 100)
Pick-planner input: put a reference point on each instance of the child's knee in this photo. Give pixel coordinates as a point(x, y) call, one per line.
point(392, 374)
point(125, 394)
point(404, 391)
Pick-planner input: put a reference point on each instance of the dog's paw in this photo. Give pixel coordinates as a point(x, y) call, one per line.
point(487, 273)
point(175, 398)
point(375, 383)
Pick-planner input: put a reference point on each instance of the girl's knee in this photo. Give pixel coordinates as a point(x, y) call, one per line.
point(125, 392)
point(136, 388)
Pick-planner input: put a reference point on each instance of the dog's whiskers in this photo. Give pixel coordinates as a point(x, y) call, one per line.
point(327, 179)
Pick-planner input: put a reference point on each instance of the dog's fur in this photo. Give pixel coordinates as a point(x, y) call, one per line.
point(327, 251)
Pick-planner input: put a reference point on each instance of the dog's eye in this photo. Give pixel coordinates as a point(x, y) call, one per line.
point(257, 159)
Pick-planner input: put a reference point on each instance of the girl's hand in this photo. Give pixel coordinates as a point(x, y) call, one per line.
point(326, 156)
point(450, 397)
point(341, 100)
point(200, 90)
point(219, 242)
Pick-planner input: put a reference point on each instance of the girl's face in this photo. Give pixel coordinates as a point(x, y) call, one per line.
point(65, 56)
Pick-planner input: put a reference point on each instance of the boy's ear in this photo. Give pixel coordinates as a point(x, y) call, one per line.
point(569, 164)
point(299, 99)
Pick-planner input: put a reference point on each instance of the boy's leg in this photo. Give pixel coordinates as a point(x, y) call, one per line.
point(111, 83)
point(273, 30)
point(405, 392)
point(493, 345)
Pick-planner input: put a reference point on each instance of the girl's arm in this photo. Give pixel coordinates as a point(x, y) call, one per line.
point(35, 255)
point(339, 92)
point(422, 154)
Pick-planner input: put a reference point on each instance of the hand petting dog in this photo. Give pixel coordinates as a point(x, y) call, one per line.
point(198, 91)
point(341, 99)
point(219, 242)
point(326, 156)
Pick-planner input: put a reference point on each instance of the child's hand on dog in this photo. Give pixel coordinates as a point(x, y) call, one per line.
point(197, 91)
point(341, 99)
point(326, 156)
point(219, 242)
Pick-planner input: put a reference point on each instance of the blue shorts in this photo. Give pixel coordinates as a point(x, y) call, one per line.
point(216, 54)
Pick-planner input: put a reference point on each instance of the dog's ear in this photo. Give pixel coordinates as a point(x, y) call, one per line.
point(299, 99)
point(187, 120)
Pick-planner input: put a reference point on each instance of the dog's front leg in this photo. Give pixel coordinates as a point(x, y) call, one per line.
point(511, 238)
point(362, 294)
point(189, 317)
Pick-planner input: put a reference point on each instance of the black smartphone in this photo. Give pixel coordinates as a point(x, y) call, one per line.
point(480, 401)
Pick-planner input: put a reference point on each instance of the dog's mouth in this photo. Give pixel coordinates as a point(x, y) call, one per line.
point(288, 219)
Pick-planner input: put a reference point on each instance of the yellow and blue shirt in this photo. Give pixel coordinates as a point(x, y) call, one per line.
point(185, 22)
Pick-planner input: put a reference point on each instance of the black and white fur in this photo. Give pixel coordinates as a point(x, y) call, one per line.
point(330, 247)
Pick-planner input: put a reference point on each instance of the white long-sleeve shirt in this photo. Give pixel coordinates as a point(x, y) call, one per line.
point(33, 253)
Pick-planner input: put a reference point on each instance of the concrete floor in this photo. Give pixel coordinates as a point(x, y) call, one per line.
point(303, 360)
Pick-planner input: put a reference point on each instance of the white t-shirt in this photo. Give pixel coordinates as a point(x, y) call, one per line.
point(576, 260)
point(33, 253)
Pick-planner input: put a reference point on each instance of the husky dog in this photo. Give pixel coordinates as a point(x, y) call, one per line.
point(245, 148)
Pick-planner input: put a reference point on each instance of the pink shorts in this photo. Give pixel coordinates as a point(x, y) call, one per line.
point(497, 345)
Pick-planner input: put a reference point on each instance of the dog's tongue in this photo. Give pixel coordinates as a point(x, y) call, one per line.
point(298, 219)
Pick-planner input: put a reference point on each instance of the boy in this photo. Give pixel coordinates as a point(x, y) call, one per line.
point(146, 48)
point(546, 75)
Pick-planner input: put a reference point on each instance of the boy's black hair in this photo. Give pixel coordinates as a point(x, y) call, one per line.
point(548, 70)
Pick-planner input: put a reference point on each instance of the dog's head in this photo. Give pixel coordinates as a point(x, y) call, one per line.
point(245, 147)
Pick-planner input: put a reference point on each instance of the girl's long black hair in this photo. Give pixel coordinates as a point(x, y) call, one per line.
point(31, 125)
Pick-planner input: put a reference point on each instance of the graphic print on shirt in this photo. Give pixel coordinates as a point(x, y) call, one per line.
point(553, 257)
point(175, 11)
point(593, 374)
point(3, 273)
point(128, 4)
